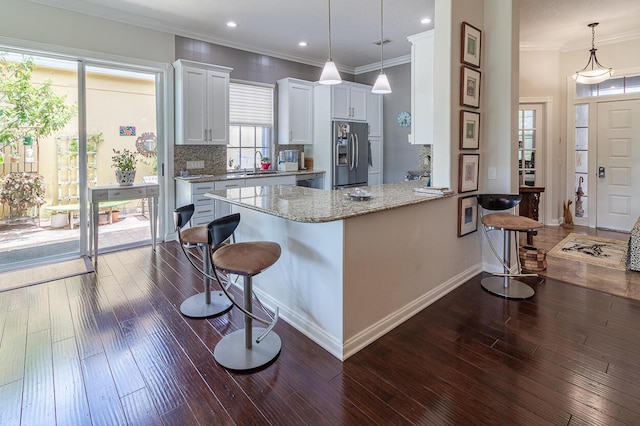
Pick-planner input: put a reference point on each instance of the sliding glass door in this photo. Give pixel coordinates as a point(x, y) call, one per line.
point(61, 122)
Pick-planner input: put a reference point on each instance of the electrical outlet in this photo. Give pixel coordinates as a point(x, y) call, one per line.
point(491, 173)
point(195, 164)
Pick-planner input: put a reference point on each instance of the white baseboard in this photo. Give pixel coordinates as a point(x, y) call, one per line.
point(343, 351)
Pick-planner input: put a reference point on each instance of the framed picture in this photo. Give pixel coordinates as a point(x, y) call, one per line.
point(469, 130)
point(467, 215)
point(469, 87)
point(469, 169)
point(471, 45)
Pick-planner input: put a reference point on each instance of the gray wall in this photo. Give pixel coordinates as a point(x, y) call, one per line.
point(399, 155)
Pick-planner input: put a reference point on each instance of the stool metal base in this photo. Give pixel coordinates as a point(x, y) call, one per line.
point(197, 307)
point(231, 353)
point(513, 289)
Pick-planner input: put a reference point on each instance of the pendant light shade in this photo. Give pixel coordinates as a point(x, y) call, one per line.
point(381, 85)
point(330, 74)
point(593, 72)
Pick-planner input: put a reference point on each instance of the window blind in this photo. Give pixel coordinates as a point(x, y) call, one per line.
point(250, 105)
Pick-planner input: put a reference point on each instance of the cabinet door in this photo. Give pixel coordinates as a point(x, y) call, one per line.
point(300, 114)
point(375, 168)
point(374, 114)
point(422, 107)
point(217, 107)
point(271, 180)
point(194, 102)
point(341, 102)
point(358, 103)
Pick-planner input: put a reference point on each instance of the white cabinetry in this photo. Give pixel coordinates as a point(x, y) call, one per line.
point(375, 167)
point(202, 103)
point(422, 108)
point(349, 101)
point(271, 180)
point(374, 114)
point(193, 193)
point(223, 208)
point(295, 111)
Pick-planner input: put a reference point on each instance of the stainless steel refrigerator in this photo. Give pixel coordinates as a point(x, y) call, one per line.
point(350, 148)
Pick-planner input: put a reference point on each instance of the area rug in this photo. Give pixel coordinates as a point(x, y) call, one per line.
point(593, 250)
point(44, 273)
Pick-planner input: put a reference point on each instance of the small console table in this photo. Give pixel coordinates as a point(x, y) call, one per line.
point(529, 206)
point(98, 194)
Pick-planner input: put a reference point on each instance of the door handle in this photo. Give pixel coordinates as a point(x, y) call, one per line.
point(601, 173)
point(357, 150)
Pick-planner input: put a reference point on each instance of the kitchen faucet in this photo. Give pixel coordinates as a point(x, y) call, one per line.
point(254, 160)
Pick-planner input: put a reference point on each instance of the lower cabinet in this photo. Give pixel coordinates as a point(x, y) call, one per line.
point(375, 166)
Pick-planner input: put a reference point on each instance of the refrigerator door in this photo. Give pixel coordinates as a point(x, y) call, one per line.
point(360, 172)
point(342, 154)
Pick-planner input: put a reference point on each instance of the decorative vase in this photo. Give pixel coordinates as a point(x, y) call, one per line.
point(265, 166)
point(125, 177)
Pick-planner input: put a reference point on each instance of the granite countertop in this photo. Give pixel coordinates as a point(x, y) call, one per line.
point(310, 205)
point(243, 175)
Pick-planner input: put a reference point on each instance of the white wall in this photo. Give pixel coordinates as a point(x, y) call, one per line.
point(32, 22)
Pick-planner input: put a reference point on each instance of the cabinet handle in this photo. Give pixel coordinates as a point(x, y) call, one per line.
point(205, 135)
point(210, 135)
point(290, 135)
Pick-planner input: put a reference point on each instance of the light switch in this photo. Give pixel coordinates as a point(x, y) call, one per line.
point(491, 173)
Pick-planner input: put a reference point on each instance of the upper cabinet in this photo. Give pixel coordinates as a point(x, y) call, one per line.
point(202, 103)
point(422, 88)
point(349, 101)
point(295, 111)
point(374, 114)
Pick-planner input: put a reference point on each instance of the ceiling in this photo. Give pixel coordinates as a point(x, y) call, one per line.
point(275, 27)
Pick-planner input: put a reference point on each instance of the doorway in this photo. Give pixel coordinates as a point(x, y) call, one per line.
point(618, 167)
point(114, 107)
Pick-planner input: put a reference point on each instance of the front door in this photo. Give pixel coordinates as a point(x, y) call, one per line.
point(618, 168)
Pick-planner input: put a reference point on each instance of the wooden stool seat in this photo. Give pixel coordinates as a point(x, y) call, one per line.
point(195, 235)
point(510, 222)
point(246, 259)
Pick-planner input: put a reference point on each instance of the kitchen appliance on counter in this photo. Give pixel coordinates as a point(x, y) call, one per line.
point(288, 160)
point(350, 150)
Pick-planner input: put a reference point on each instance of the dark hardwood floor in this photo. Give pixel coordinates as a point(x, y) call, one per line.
point(111, 348)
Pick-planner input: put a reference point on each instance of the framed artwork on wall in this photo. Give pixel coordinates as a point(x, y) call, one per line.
point(469, 130)
point(471, 45)
point(470, 87)
point(467, 215)
point(468, 171)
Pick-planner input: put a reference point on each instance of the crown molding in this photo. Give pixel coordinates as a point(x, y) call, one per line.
point(583, 45)
point(387, 63)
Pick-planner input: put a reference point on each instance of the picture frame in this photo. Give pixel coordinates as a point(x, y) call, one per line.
point(471, 45)
point(467, 215)
point(469, 130)
point(469, 169)
point(470, 87)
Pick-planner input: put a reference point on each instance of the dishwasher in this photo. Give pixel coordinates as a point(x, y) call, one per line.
point(310, 180)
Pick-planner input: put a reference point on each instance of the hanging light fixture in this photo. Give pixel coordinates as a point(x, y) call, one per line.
point(330, 74)
point(381, 85)
point(591, 74)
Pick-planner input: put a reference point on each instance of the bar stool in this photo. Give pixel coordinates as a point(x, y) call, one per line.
point(239, 350)
point(504, 284)
point(208, 303)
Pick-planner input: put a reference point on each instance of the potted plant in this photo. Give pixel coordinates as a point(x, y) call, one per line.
point(21, 191)
point(265, 163)
point(125, 164)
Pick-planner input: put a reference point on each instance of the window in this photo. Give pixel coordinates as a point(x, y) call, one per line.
point(250, 125)
point(581, 158)
point(528, 127)
point(612, 86)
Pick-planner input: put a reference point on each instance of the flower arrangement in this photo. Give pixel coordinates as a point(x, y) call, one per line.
point(265, 163)
point(125, 160)
point(22, 190)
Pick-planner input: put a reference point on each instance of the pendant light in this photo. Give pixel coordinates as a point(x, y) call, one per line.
point(381, 85)
point(330, 74)
point(590, 74)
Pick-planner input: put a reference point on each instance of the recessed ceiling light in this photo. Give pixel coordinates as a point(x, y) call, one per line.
point(425, 21)
point(231, 24)
point(302, 44)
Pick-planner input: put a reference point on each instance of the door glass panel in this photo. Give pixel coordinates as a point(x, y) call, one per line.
point(121, 118)
point(38, 106)
point(528, 120)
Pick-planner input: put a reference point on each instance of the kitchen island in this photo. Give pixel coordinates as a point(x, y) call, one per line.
point(350, 271)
